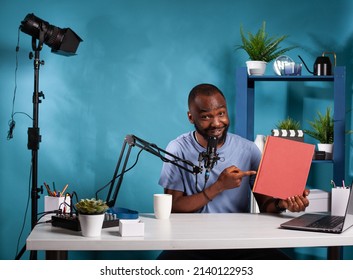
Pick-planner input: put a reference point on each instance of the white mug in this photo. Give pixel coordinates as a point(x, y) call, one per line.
point(162, 204)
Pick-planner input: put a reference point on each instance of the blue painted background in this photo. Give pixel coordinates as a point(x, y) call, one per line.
point(132, 74)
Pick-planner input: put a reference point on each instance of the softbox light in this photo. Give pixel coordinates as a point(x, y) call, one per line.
point(62, 41)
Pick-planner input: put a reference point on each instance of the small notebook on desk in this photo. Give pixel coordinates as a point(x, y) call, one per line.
point(284, 167)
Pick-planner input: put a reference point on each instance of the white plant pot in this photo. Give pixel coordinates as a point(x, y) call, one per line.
point(91, 225)
point(256, 68)
point(327, 148)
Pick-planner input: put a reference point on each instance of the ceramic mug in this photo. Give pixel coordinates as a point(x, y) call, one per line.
point(162, 204)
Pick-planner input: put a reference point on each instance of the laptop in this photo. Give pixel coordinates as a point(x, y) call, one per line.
point(323, 222)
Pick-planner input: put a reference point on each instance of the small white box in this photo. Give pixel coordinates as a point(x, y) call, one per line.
point(339, 200)
point(131, 227)
point(52, 203)
point(319, 201)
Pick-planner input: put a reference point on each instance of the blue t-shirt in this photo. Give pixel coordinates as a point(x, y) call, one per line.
point(236, 151)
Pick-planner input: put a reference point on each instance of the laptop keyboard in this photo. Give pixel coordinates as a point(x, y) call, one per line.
point(327, 222)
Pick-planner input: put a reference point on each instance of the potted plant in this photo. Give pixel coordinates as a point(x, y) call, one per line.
point(91, 216)
point(322, 130)
point(288, 124)
point(261, 48)
point(290, 129)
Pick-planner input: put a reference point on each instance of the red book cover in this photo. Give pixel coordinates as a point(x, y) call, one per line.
point(284, 168)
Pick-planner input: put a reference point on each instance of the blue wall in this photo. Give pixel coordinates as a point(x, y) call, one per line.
point(132, 75)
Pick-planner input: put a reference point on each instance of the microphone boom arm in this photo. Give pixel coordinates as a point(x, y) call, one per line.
point(132, 141)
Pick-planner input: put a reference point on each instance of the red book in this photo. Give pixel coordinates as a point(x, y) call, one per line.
point(284, 168)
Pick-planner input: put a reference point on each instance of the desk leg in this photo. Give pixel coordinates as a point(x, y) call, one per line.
point(334, 253)
point(56, 255)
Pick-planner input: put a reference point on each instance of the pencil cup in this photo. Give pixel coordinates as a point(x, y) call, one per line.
point(162, 204)
point(339, 200)
point(52, 203)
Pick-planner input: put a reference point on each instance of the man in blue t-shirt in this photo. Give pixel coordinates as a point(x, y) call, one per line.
point(228, 186)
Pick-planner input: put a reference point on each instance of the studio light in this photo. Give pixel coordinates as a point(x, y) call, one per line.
point(62, 41)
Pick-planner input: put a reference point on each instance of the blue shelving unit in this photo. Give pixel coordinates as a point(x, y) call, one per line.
point(244, 113)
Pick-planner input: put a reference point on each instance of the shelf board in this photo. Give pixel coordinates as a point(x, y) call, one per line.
point(306, 78)
point(322, 161)
point(245, 108)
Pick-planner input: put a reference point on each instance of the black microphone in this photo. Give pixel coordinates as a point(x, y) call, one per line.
point(211, 156)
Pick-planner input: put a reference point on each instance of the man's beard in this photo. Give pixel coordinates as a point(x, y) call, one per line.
point(204, 134)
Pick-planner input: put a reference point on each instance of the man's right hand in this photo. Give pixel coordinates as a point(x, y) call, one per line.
point(232, 176)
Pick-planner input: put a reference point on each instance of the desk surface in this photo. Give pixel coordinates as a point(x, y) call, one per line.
point(191, 231)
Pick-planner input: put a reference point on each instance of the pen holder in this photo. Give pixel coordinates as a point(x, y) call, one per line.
point(339, 200)
point(52, 203)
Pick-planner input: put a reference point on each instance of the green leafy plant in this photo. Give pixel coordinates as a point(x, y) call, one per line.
point(91, 206)
point(261, 46)
point(322, 127)
point(288, 124)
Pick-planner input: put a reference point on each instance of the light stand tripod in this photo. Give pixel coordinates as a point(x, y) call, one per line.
point(34, 138)
point(62, 41)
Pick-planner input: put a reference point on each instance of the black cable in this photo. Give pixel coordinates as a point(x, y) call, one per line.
point(19, 254)
point(46, 222)
point(12, 122)
point(47, 213)
point(64, 204)
point(24, 113)
point(117, 176)
point(72, 204)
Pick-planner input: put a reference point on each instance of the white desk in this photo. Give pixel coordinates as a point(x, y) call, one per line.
point(190, 231)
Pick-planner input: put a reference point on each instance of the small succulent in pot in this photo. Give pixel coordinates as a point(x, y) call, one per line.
point(91, 206)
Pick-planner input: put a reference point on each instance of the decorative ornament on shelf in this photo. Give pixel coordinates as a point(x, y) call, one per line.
point(285, 66)
point(322, 65)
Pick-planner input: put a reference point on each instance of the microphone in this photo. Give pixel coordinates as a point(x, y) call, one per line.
point(211, 156)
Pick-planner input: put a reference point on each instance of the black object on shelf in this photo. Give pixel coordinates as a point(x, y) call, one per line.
point(320, 155)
